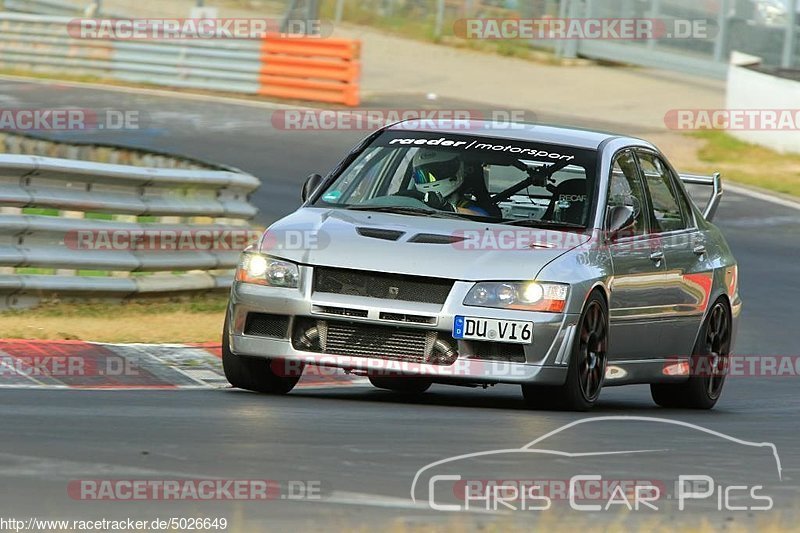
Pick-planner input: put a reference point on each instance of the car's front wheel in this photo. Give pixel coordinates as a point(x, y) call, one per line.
point(587, 364)
point(708, 366)
point(255, 374)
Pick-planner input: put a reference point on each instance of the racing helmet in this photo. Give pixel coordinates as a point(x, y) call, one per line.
point(437, 172)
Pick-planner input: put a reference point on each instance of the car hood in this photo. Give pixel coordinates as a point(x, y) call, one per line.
point(414, 245)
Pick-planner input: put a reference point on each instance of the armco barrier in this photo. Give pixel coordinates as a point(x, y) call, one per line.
point(45, 202)
point(310, 68)
point(299, 68)
point(47, 7)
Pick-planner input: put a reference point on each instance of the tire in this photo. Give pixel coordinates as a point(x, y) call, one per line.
point(254, 373)
point(711, 352)
point(587, 364)
point(405, 385)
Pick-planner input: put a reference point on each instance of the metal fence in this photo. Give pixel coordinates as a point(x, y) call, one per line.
point(765, 28)
point(46, 204)
point(51, 7)
point(43, 43)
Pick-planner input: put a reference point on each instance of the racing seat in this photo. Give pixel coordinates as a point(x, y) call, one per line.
point(475, 184)
point(569, 202)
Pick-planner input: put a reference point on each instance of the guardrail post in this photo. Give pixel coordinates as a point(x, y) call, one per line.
point(790, 37)
point(8, 211)
point(77, 215)
point(570, 48)
point(437, 31)
point(721, 42)
point(654, 14)
point(339, 11)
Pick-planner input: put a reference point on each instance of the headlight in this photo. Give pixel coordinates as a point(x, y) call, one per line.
point(523, 295)
point(265, 270)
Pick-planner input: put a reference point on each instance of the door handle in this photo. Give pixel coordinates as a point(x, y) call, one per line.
point(657, 256)
point(700, 249)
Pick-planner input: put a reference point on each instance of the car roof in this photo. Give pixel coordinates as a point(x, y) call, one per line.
point(523, 131)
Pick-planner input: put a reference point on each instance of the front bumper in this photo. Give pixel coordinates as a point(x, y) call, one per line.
point(544, 361)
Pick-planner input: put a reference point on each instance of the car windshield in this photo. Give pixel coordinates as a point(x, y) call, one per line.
point(460, 176)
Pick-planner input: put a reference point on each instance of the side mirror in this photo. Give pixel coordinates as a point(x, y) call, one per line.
point(620, 217)
point(311, 185)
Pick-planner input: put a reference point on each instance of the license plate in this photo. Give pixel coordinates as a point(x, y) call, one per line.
point(489, 329)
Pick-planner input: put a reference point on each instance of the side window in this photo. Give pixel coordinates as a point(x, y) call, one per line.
point(685, 202)
point(666, 210)
point(625, 189)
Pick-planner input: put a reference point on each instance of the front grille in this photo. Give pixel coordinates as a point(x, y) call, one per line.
point(368, 340)
point(264, 325)
point(496, 351)
point(401, 317)
point(380, 285)
point(341, 338)
point(341, 311)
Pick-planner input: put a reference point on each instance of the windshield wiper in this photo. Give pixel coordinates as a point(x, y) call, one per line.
point(404, 210)
point(530, 222)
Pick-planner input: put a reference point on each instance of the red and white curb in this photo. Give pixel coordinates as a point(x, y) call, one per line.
point(89, 365)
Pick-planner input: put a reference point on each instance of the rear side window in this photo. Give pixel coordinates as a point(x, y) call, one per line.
point(667, 214)
point(685, 202)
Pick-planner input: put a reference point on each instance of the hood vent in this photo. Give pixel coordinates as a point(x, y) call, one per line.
point(378, 233)
point(433, 238)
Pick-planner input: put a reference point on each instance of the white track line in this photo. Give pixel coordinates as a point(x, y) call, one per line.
point(764, 196)
point(338, 497)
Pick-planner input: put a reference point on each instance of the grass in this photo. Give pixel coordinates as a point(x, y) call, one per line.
point(749, 164)
point(178, 319)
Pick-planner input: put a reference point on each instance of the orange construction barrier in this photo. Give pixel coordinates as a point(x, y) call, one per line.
point(311, 68)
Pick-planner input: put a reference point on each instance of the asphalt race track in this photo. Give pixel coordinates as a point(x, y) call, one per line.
point(363, 445)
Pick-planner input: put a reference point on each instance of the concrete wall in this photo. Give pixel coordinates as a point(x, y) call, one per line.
point(749, 89)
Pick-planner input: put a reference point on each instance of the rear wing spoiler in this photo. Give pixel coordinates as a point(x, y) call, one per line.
point(714, 181)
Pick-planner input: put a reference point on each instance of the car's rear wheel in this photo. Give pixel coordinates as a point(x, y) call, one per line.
point(403, 384)
point(587, 364)
point(255, 374)
point(708, 366)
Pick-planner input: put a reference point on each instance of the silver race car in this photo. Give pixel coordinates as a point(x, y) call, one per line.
point(558, 259)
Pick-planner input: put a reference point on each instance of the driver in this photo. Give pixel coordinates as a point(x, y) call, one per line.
point(439, 177)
